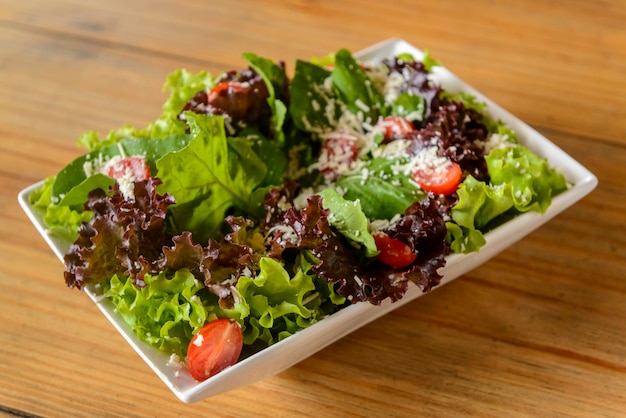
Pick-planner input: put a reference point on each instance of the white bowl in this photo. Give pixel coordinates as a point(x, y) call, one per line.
point(292, 350)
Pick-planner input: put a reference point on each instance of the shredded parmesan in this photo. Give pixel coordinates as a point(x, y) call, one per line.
point(198, 340)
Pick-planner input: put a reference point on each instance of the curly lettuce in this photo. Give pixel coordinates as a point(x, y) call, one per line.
point(520, 182)
point(165, 313)
point(272, 305)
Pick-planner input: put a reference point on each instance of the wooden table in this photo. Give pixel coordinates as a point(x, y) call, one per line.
point(538, 331)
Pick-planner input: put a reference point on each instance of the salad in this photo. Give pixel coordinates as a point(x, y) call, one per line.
point(258, 204)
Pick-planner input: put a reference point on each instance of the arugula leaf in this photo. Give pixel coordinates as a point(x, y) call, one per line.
point(379, 198)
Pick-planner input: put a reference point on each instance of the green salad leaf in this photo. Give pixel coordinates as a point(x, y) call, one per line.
point(272, 305)
point(520, 181)
point(72, 183)
point(533, 181)
point(354, 87)
point(165, 313)
point(349, 219)
point(320, 96)
point(381, 192)
point(313, 107)
point(430, 62)
point(208, 177)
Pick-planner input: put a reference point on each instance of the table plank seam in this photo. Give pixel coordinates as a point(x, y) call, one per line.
point(57, 34)
point(17, 412)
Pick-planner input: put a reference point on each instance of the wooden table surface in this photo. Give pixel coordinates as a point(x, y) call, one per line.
point(540, 330)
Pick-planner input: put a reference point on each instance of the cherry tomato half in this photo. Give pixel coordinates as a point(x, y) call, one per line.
point(441, 181)
point(393, 252)
point(215, 347)
point(394, 127)
point(135, 165)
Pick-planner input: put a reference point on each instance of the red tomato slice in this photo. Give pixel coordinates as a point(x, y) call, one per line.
point(228, 86)
point(441, 181)
point(135, 165)
point(395, 127)
point(215, 347)
point(393, 252)
point(339, 150)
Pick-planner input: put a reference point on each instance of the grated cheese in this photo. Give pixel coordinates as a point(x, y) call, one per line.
point(288, 235)
point(495, 141)
point(198, 340)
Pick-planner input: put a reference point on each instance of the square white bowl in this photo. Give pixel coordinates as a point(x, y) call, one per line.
point(292, 350)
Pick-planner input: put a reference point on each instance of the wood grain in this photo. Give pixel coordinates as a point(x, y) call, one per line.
point(537, 331)
point(509, 49)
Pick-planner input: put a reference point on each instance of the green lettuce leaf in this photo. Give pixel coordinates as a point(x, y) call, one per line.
point(271, 306)
point(480, 203)
point(165, 313)
point(183, 85)
point(208, 177)
point(41, 196)
point(63, 221)
point(520, 182)
point(430, 62)
point(326, 61)
point(533, 181)
point(349, 219)
point(464, 240)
